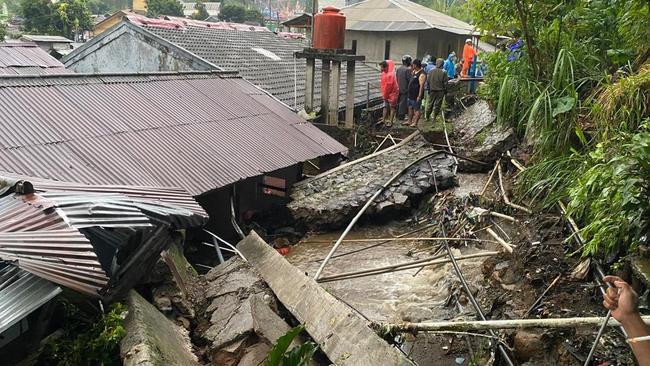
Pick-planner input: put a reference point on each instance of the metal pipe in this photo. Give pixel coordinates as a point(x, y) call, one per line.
point(226, 243)
point(367, 205)
point(402, 266)
point(476, 305)
point(218, 250)
point(375, 245)
point(233, 217)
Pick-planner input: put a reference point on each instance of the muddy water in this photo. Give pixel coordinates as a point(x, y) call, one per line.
point(399, 296)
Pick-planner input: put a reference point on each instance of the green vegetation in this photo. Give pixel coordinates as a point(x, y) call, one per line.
point(238, 13)
point(580, 94)
point(97, 344)
point(297, 356)
point(67, 18)
point(156, 8)
point(458, 9)
point(200, 12)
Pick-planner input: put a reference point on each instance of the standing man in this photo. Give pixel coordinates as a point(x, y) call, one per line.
point(389, 91)
point(403, 77)
point(437, 80)
point(468, 56)
point(415, 93)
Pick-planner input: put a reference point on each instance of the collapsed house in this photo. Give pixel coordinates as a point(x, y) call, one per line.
point(210, 134)
point(140, 44)
point(97, 241)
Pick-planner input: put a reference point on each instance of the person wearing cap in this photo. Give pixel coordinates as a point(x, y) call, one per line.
point(403, 75)
point(468, 56)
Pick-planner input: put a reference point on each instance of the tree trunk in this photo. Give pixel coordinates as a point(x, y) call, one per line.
point(523, 19)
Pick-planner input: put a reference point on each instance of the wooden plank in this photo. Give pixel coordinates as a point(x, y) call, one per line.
point(341, 333)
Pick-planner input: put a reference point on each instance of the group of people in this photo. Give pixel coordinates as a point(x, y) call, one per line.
point(406, 89)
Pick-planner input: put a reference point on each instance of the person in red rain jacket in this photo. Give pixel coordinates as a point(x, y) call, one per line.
point(389, 91)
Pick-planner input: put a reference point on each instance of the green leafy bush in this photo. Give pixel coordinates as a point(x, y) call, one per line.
point(612, 196)
point(297, 356)
point(96, 345)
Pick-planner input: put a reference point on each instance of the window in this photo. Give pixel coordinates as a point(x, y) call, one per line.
point(354, 46)
point(387, 51)
point(274, 186)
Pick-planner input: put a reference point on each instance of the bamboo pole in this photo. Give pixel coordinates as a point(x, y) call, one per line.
point(505, 245)
point(401, 267)
point(539, 299)
point(479, 325)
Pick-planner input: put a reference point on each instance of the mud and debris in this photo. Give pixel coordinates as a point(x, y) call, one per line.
point(331, 199)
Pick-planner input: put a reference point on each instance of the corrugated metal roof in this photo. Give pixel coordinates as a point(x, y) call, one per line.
point(45, 38)
point(197, 131)
point(231, 46)
point(172, 196)
point(20, 58)
point(400, 15)
point(21, 293)
point(63, 256)
point(73, 238)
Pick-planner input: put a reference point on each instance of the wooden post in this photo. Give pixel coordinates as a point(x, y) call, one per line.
point(335, 91)
point(309, 85)
point(325, 91)
point(349, 95)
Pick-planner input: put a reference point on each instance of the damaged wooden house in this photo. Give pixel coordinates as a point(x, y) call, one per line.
point(213, 134)
point(266, 59)
point(93, 241)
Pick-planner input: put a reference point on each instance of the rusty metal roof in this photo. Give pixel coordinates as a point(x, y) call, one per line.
point(21, 293)
point(21, 58)
point(197, 131)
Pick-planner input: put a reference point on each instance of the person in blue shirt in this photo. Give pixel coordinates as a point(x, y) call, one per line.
point(450, 65)
point(515, 48)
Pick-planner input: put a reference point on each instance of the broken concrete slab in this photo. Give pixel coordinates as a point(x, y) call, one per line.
point(151, 339)
point(239, 313)
point(332, 198)
point(344, 337)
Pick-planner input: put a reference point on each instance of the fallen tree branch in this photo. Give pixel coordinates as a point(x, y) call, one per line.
point(539, 299)
point(505, 245)
point(480, 325)
point(505, 196)
point(515, 162)
point(494, 170)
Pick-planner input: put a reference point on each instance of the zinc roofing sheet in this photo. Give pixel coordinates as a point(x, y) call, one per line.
point(27, 59)
point(198, 132)
point(20, 294)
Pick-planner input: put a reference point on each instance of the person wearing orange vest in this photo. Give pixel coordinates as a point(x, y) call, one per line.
point(468, 57)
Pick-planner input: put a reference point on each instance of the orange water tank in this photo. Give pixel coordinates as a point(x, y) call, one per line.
point(329, 29)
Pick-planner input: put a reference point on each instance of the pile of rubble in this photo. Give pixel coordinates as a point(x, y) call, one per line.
point(332, 198)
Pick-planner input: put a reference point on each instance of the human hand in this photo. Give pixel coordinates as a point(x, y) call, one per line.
point(620, 299)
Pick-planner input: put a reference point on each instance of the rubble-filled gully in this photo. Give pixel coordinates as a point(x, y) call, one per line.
point(234, 316)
